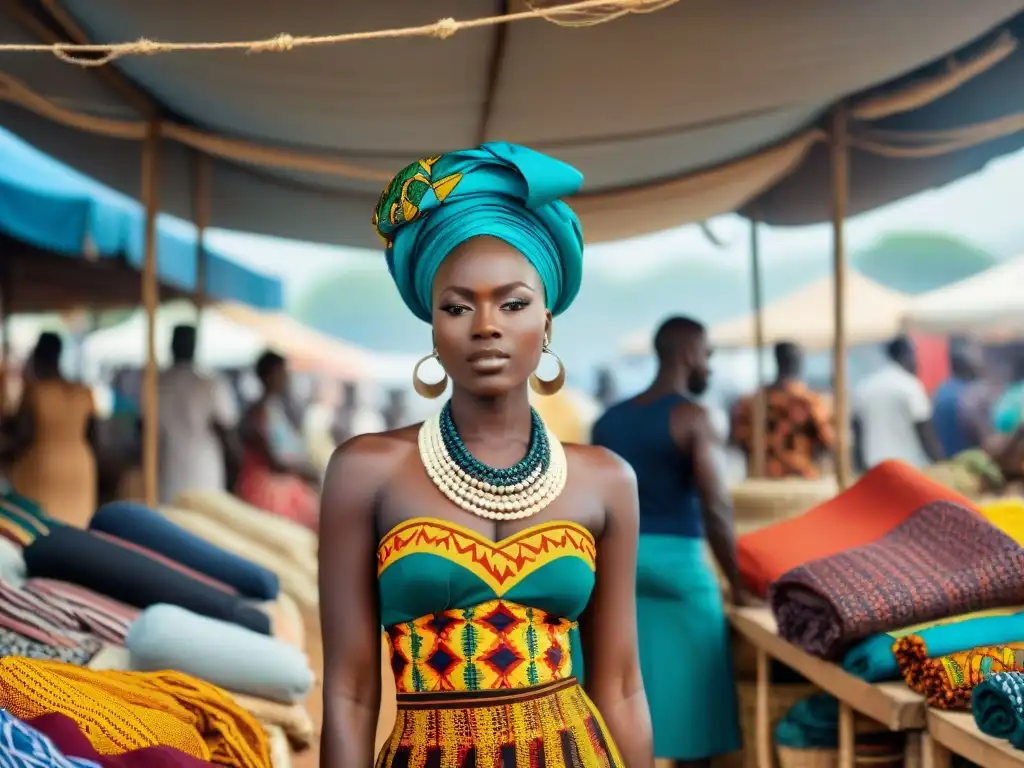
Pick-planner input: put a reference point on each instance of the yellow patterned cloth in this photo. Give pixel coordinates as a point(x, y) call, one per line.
point(492, 645)
point(546, 726)
point(124, 711)
point(947, 681)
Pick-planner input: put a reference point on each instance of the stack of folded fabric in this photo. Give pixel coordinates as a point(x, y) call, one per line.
point(284, 547)
point(121, 713)
point(874, 506)
point(943, 560)
point(178, 602)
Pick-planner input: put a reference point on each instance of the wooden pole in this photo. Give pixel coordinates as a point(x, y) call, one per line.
point(840, 191)
point(201, 218)
point(150, 301)
point(759, 442)
point(5, 340)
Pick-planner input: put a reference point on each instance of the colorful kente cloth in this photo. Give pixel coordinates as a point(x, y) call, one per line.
point(799, 428)
point(873, 659)
point(545, 726)
point(22, 746)
point(998, 706)
point(945, 559)
point(484, 647)
point(492, 645)
point(947, 681)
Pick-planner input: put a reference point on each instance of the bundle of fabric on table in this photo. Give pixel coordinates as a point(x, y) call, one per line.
point(880, 501)
point(874, 658)
point(287, 549)
point(943, 560)
point(947, 681)
point(121, 712)
point(998, 706)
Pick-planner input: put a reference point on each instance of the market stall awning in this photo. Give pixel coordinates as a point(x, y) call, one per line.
point(985, 302)
point(306, 349)
point(230, 336)
point(222, 343)
point(49, 210)
point(673, 116)
point(874, 313)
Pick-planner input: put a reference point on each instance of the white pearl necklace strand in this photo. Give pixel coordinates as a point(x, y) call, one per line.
point(493, 502)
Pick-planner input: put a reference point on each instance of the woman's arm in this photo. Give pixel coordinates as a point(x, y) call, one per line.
point(254, 434)
point(349, 611)
point(608, 627)
point(21, 429)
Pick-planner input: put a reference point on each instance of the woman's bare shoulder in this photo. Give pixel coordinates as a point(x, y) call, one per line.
point(601, 463)
point(365, 462)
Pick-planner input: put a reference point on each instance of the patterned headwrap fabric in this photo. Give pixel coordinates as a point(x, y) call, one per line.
point(502, 190)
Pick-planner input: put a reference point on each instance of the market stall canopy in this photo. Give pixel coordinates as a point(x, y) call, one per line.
point(305, 348)
point(230, 336)
point(988, 301)
point(673, 116)
point(874, 313)
point(49, 212)
point(221, 343)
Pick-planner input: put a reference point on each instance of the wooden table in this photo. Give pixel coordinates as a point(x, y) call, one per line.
point(893, 705)
point(957, 733)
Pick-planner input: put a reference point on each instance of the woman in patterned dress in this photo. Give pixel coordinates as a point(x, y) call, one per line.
point(500, 562)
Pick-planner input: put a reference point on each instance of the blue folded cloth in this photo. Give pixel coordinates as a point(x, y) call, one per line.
point(222, 653)
point(872, 659)
point(146, 527)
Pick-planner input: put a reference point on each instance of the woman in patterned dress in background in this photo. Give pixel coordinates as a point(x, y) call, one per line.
point(497, 559)
point(276, 473)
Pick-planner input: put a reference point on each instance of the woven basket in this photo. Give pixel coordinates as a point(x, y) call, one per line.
point(807, 758)
point(780, 699)
point(759, 502)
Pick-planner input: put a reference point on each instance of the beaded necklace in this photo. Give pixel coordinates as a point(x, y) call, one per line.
point(511, 493)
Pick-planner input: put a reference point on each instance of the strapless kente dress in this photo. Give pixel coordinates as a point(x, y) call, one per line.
point(484, 645)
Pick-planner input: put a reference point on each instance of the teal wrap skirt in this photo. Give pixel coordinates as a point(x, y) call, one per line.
point(685, 650)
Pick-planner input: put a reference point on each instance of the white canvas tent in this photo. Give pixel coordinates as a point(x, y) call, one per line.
point(874, 313)
point(223, 343)
point(988, 301)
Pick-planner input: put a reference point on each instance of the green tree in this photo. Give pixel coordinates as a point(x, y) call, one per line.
point(916, 262)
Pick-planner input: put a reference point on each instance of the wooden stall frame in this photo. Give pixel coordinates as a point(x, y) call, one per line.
point(150, 300)
point(956, 733)
point(892, 705)
point(840, 152)
point(201, 218)
point(759, 438)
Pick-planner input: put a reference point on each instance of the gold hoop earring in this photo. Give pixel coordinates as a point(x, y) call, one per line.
point(548, 387)
point(431, 391)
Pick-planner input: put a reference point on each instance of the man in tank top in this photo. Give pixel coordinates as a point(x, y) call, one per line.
point(670, 442)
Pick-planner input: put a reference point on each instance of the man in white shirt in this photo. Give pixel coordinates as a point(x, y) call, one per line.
point(198, 416)
point(892, 413)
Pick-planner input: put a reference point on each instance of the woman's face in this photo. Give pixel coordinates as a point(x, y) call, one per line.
point(489, 317)
point(277, 379)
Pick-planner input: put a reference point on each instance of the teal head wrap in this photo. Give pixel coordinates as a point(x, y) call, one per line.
point(501, 190)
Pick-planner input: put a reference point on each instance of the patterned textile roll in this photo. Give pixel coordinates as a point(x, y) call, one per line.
point(555, 724)
point(948, 680)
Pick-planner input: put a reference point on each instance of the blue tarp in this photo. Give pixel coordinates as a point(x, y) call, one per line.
point(47, 205)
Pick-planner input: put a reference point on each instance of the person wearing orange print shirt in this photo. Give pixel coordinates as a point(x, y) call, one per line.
point(799, 429)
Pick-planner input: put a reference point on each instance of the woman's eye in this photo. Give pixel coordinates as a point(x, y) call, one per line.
point(455, 309)
point(515, 305)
